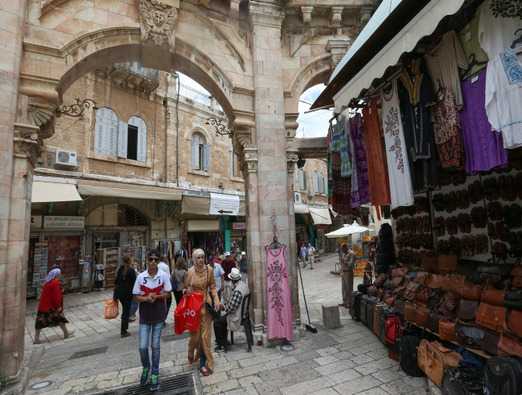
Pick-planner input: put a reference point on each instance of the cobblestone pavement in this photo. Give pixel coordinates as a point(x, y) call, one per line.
point(348, 360)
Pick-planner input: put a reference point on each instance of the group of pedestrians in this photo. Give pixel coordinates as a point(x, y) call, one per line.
point(221, 281)
point(307, 255)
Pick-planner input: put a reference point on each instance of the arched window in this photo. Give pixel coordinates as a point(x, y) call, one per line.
point(200, 152)
point(106, 132)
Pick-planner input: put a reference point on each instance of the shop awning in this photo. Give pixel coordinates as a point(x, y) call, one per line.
point(300, 208)
point(395, 28)
point(47, 192)
point(131, 191)
point(320, 216)
point(203, 225)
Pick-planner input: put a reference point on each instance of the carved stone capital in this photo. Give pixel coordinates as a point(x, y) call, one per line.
point(266, 13)
point(366, 14)
point(307, 14)
point(291, 125)
point(337, 15)
point(158, 22)
point(251, 159)
point(291, 159)
point(27, 143)
point(337, 47)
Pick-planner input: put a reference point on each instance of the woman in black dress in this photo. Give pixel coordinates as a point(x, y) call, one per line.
point(125, 278)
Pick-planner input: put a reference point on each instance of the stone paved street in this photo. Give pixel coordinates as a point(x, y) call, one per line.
point(348, 360)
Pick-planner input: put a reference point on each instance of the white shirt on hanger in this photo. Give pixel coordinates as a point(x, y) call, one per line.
point(401, 189)
point(496, 33)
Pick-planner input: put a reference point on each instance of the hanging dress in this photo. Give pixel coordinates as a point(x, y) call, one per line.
point(401, 189)
point(279, 304)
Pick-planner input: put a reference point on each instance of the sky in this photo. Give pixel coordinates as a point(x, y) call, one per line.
point(314, 124)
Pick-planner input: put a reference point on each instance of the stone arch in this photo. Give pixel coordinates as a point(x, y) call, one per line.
point(104, 201)
point(105, 47)
point(201, 130)
point(313, 73)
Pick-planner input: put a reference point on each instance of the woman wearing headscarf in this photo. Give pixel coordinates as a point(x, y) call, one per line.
point(50, 307)
point(200, 278)
point(125, 278)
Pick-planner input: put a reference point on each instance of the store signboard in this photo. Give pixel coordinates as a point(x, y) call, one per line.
point(36, 221)
point(64, 222)
point(239, 225)
point(221, 204)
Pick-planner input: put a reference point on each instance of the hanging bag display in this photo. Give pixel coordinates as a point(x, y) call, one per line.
point(514, 322)
point(433, 358)
point(467, 310)
point(492, 296)
point(491, 317)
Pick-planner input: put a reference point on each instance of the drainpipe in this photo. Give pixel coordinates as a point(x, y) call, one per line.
point(178, 87)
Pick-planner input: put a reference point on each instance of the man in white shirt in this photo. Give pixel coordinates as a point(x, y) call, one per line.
point(151, 289)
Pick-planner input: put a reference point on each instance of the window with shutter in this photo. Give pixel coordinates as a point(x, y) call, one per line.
point(122, 139)
point(206, 157)
point(195, 152)
point(106, 132)
point(139, 123)
point(325, 180)
point(231, 163)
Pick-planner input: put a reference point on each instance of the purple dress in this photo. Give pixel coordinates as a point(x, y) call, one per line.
point(361, 194)
point(483, 147)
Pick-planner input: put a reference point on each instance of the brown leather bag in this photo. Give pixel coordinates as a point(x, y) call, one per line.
point(470, 291)
point(389, 300)
point(399, 272)
point(421, 277)
point(447, 330)
point(447, 263)
point(454, 282)
point(435, 281)
point(422, 314)
point(492, 296)
point(397, 281)
point(509, 346)
point(433, 322)
point(433, 358)
point(411, 291)
point(429, 263)
point(467, 310)
point(423, 295)
point(490, 342)
point(514, 322)
point(516, 273)
point(409, 312)
point(491, 317)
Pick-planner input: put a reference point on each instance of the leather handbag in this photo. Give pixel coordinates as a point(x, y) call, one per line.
point(421, 277)
point(503, 376)
point(435, 281)
point(409, 312)
point(429, 263)
point(411, 290)
point(448, 305)
point(433, 358)
point(491, 317)
point(509, 346)
point(446, 263)
point(423, 295)
point(490, 342)
point(447, 330)
point(433, 322)
point(397, 281)
point(514, 322)
point(470, 336)
point(378, 315)
point(467, 310)
point(422, 315)
point(399, 272)
point(470, 291)
point(398, 307)
point(492, 296)
point(516, 274)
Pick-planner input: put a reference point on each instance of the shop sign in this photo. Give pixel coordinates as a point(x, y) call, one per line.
point(64, 222)
point(239, 225)
point(36, 221)
point(224, 204)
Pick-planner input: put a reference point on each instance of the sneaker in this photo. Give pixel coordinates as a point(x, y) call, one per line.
point(154, 382)
point(144, 376)
point(125, 334)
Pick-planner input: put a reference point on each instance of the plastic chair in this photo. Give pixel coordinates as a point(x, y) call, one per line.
point(246, 323)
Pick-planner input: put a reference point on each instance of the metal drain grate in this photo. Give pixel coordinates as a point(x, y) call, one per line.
point(169, 338)
point(182, 384)
point(88, 353)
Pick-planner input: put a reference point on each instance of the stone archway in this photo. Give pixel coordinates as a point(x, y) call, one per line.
point(250, 58)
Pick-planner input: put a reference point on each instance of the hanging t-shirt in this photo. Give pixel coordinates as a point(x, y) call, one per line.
point(444, 62)
point(377, 169)
point(497, 29)
point(483, 147)
point(470, 44)
point(504, 97)
point(401, 189)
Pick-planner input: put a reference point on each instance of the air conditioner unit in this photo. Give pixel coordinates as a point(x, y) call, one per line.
point(66, 158)
point(297, 197)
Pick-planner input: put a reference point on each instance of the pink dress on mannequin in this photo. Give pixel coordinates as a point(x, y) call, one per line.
point(279, 316)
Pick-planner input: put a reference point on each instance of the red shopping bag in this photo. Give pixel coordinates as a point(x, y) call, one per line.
point(187, 315)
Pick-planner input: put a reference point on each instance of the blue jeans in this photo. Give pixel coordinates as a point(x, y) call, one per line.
point(150, 335)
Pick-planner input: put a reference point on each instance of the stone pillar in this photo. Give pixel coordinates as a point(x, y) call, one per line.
point(272, 171)
point(292, 159)
point(12, 307)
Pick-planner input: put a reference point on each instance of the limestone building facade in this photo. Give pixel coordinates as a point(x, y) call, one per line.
point(254, 56)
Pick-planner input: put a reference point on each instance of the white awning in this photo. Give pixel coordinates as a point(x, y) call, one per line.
point(320, 216)
point(47, 192)
point(300, 208)
point(347, 230)
point(131, 191)
point(422, 25)
point(203, 225)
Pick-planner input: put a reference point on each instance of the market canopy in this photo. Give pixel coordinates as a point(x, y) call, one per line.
point(122, 190)
point(320, 216)
point(47, 192)
point(347, 230)
point(395, 28)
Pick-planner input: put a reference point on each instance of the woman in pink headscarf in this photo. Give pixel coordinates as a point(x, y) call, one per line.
point(50, 307)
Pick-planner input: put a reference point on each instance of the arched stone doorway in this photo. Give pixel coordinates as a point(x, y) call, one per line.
point(247, 56)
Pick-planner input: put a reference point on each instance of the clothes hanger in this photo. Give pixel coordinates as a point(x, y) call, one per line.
point(517, 41)
point(275, 243)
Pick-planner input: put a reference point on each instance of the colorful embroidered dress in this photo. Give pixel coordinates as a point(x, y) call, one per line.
point(279, 312)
